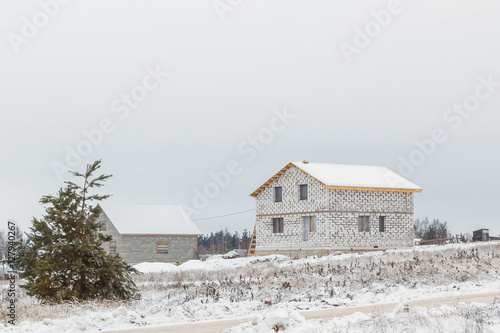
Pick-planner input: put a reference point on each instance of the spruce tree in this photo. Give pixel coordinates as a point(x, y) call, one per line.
point(62, 258)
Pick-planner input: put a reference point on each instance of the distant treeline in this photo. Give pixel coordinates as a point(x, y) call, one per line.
point(427, 230)
point(223, 242)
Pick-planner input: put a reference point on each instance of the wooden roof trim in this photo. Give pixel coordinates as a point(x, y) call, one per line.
point(372, 189)
point(277, 176)
point(289, 165)
point(271, 180)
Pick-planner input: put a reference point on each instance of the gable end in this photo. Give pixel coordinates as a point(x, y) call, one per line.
point(278, 175)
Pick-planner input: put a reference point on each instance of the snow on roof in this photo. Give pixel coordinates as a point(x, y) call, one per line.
point(150, 219)
point(343, 175)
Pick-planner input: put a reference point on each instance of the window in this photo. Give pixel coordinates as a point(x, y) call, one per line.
point(162, 247)
point(309, 223)
point(278, 225)
point(381, 223)
point(278, 191)
point(103, 226)
point(303, 192)
point(112, 247)
point(363, 223)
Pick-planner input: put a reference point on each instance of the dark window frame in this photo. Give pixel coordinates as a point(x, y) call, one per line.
point(278, 198)
point(303, 192)
point(363, 223)
point(278, 227)
point(381, 224)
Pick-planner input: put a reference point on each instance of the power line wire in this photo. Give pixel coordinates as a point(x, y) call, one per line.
point(215, 217)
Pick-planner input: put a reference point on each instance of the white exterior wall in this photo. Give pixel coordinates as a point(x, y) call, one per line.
point(336, 212)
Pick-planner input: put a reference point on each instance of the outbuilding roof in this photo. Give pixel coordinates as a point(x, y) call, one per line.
point(150, 219)
point(349, 177)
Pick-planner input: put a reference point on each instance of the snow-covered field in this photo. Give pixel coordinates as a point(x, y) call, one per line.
point(275, 288)
point(462, 318)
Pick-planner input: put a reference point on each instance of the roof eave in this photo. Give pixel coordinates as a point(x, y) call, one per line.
point(382, 189)
point(335, 187)
point(272, 179)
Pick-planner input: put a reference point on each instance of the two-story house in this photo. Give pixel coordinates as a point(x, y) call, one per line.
point(313, 208)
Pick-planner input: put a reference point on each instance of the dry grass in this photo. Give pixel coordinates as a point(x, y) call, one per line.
point(466, 319)
point(274, 282)
point(29, 308)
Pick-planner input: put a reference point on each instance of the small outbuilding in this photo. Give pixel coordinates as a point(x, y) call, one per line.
point(481, 235)
point(149, 233)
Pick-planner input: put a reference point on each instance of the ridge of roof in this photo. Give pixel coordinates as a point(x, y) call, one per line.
point(349, 177)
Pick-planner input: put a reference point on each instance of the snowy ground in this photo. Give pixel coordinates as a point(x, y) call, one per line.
point(463, 318)
point(276, 287)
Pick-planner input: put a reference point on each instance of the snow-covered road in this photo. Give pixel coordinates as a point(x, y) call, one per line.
point(324, 314)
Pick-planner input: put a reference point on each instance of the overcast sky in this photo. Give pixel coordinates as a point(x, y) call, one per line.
point(253, 84)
